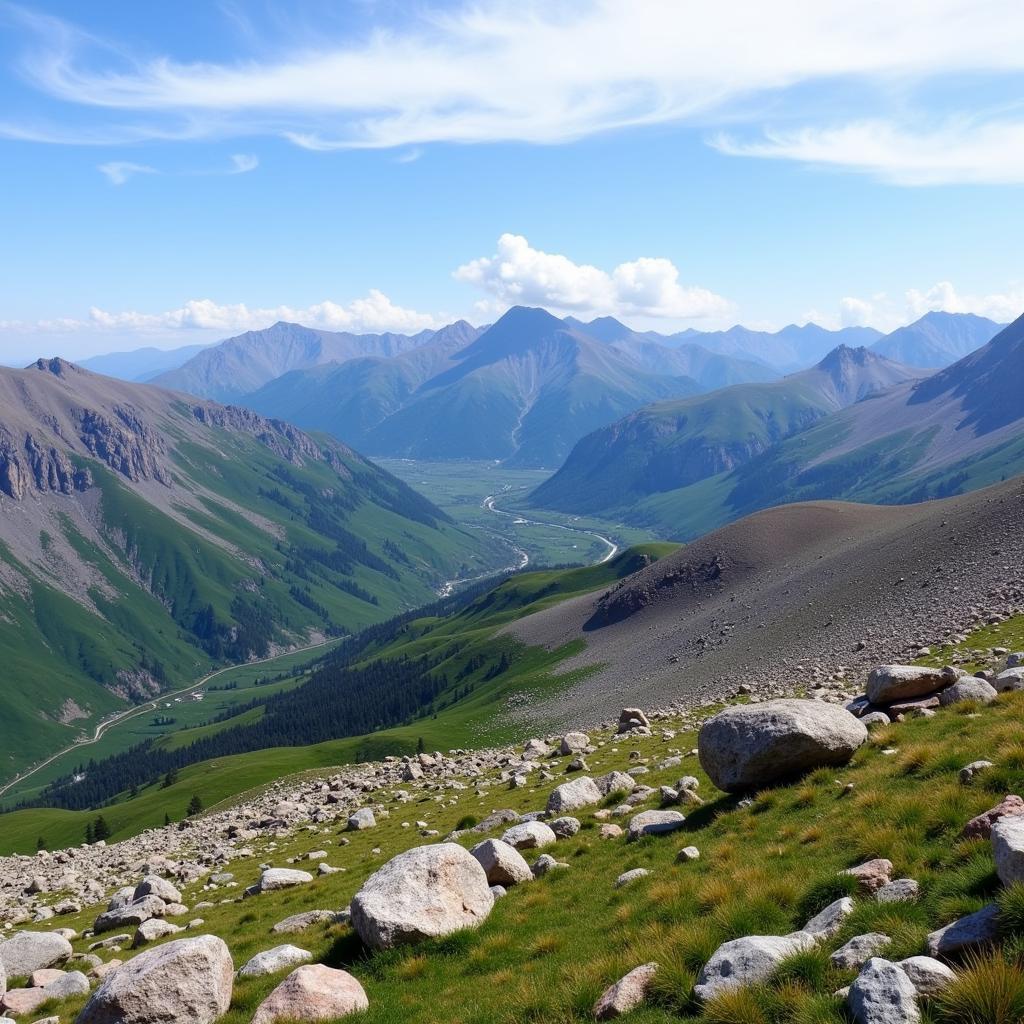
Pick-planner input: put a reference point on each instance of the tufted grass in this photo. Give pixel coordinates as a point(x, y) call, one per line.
point(551, 946)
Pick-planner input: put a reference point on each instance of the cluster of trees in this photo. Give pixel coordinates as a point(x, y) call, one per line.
point(337, 701)
point(97, 829)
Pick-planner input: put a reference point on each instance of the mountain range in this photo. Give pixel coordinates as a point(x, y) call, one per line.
point(685, 467)
point(937, 339)
point(146, 537)
point(522, 391)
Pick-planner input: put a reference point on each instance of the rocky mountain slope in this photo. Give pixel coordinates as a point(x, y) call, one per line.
point(146, 536)
point(675, 444)
point(937, 339)
point(879, 878)
point(817, 589)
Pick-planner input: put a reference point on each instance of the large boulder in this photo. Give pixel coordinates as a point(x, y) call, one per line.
point(25, 952)
point(361, 819)
point(632, 718)
point(424, 893)
point(980, 827)
point(571, 796)
point(889, 683)
point(504, 864)
point(746, 961)
point(751, 745)
point(928, 975)
point(574, 743)
point(182, 980)
point(1008, 849)
point(883, 994)
point(313, 993)
point(615, 782)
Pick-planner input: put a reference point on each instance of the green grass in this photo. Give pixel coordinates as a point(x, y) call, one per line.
point(155, 573)
point(460, 487)
point(551, 946)
point(471, 713)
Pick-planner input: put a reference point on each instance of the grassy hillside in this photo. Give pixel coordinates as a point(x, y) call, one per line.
point(471, 711)
point(551, 946)
point(198, 537)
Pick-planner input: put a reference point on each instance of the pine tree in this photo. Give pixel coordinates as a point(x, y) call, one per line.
point(420, 748)
point(167, 819)
point(100, 828)
point(170, 778)
point(40, 843)
point(90, 833)
point(195, 805)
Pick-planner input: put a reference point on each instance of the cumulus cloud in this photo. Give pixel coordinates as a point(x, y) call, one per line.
point(374, 313)
point(119, 171)
point(518, 274)
point(886, 313)
point(540, 72)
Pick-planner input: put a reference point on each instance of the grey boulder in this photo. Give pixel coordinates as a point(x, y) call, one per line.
point(426, 892)
point(571, 796)
point(883, 994)
point(1008, 849)
point(749, 746)
point(503, 864)
point(25, 952)
point(888, 683)
point(746, 961)
point(183, 980)
point(270, 961)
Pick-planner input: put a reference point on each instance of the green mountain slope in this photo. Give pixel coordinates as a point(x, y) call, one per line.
point(524, 391)
point(672, 445)
point(460, 698)
point(952, 432)
point(145, 538)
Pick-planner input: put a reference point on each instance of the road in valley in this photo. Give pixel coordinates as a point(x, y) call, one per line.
point(152, 705)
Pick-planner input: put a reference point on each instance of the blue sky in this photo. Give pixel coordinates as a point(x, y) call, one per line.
point(179, 172)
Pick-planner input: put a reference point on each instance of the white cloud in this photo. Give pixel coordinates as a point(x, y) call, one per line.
point(243, 163)
point(959, 151)
point(374, 313)
point(519, 274)
point(886, 313)
point(541, 72)
point(119, 171)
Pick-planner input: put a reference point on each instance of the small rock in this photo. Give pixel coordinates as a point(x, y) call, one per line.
point(626, 994)
point(313, 992)
point(628, 877)
point(270, 961)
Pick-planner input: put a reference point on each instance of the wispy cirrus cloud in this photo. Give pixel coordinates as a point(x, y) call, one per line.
point(118, 172)
point(536, 71)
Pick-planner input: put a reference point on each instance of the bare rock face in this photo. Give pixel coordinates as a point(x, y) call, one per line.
point(311, 993)
point(424, 893)
point(752, 745)
point(185, 979)
point(889, 683)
